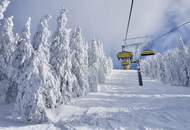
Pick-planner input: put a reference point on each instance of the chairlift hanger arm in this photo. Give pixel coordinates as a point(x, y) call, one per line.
point(140, 37)
point(136, 44)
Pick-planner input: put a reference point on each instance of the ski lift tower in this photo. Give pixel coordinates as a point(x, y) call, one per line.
point(137, 47)
point(129, 55)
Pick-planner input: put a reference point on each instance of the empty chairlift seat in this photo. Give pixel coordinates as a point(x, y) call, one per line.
point(148, 53)
point(124, 55)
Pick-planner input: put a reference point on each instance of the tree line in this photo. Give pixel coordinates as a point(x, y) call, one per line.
point(171, 67)
point(46, 70)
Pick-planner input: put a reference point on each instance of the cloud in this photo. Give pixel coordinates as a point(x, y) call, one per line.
point(176, 14)
point(21, 9)
point(104, 19)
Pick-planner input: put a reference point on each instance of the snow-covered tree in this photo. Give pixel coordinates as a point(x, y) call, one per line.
point(24, 48)
point(3, 6)
point(42, 73)
point(80, 61)
point(188, 66)
point(20, 59)
point(102, 60)
point(61, 59)
point(99, 65)
point(182, 59)
point(7, 47)
point(170, 67)
point(39, 88)
point(7, 41)
point(161, 68)
point(93, 66)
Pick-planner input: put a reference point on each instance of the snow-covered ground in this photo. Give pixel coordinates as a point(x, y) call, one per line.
point(120, 104)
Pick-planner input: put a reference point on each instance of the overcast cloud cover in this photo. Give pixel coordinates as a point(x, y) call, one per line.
point(105, 20)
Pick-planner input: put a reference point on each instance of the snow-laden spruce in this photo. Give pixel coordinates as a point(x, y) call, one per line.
point(170, 67)
point(99, 65)
point(3, 6)
point(39, 90)
point(80, 61)
point(93, 66)
point(7, 46)
point(48, 71)
point(22, 59)
point(60, 59)
point(105, 63)
point(24, 48)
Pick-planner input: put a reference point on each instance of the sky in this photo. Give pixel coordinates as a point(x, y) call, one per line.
point(105, 20)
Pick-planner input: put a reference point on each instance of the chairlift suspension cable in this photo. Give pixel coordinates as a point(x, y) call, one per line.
point(172, 30)
point(129, 20)
point(155, 39)
point(127, 56)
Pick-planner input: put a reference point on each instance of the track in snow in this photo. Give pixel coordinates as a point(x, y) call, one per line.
point(120, 104)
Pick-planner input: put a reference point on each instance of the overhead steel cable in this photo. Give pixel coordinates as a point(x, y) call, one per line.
point(129, 20)
point(172, 30)
point(161, 36)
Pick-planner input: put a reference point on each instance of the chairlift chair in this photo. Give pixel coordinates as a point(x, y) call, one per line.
point(124, 55)
point(148, 53)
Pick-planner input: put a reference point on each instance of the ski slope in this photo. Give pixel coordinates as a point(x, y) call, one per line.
point(120, 104)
